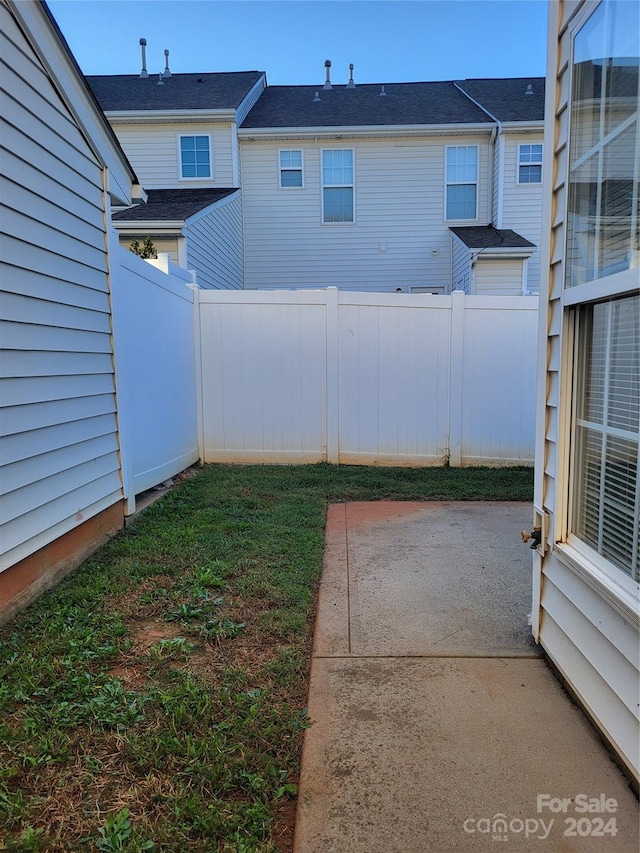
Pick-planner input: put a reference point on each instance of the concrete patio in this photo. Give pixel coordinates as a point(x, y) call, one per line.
point(436, 723)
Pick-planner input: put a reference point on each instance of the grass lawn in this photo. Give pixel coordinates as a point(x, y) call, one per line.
point(156, 699)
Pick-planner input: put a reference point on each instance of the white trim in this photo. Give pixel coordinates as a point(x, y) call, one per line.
point(619, 589)
point(475, 183)
point(337, 186)
point(252, 134)
point(500, 188)
point(235, 154)
point(282, 169)
point(539, 162)
point(181, 177)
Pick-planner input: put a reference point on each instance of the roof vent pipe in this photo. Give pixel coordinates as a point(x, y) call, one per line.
point(166, 72)
point(160, 80)
point(143, 47)
point(351, 84)
point(529, 89)
point(316, 98)
point(382, 91)
point(327, 69)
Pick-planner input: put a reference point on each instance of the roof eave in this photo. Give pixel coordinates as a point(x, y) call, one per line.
point(496, 252)
point(340, 131)
point(163, 116)
point(137, 225)
point(524, 126)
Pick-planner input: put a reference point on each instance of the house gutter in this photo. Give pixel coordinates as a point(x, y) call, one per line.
point(251, 134)
point(164, 116)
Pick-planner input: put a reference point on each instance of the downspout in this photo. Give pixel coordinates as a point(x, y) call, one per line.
point(496, 137)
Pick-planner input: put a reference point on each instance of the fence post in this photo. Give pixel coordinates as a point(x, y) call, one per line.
point(197, 344)
point(456, 373)
point(333, 376)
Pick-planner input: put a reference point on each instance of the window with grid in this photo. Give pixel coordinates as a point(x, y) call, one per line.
point(462, 182)
point(195, 157)
point(530, 164)
point(602, 255)
point(290, 168)
point(337, 185)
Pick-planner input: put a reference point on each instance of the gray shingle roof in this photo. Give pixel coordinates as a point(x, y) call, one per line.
point(505, 98)
point(404, 104)
point(488, 237)
point(179, 92)
point(171, 205)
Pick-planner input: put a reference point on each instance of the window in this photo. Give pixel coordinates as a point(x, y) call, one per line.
point(602, 263)
point(337, 185)
point(607, 499)
point(195, 157)
point(530, 164)
point(290, 168)
point(462, 182)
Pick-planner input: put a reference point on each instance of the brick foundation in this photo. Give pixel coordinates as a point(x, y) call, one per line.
point(26, 580)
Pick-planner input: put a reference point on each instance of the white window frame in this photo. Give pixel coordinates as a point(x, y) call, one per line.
point(576, 551)
point(530, 163)
point(448, 183)
point(182, 136)
point(282, 168)
point(324, 186)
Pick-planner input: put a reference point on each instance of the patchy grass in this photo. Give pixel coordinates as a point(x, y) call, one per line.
point(156, 699)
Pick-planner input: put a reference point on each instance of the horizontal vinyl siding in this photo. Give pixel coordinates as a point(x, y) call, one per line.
point(399, 218)
point(58, 445)
point(582, 628)
point(596, 650)
point(154, 155)
point(523, 204)
point(461, 266)
point(498, 278)
point(215, 247)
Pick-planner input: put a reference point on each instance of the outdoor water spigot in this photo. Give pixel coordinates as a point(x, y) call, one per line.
point(535, 536)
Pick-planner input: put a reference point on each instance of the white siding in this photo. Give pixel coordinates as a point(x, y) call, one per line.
point(460, 265)
point(399, 217)
point(495, 277)
point(214, 246)
point(153, 151)
point(522, 204)
point(587, 628)
point(58, 444)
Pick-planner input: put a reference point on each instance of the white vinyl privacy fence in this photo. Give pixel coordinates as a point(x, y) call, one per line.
point(155, 367)
point(363, 378)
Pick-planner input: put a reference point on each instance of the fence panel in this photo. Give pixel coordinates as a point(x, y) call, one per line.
point(394, 378)
point(363, 378)
point(153, 328)
point(264, 366)
point(498, 380)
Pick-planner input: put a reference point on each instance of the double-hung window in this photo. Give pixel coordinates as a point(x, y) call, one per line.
point(195, 156)
point(462, 182)
point(530, 164)
point(290, 168)
point(601, 284)
point(337, 185)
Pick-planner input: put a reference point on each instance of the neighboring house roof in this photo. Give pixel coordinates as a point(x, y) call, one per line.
point(488, 237)
point(402, 104)
point(215, 91)
point(506, 98)
point(171, 205)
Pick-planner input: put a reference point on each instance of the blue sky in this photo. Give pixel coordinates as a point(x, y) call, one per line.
point(400, 40)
